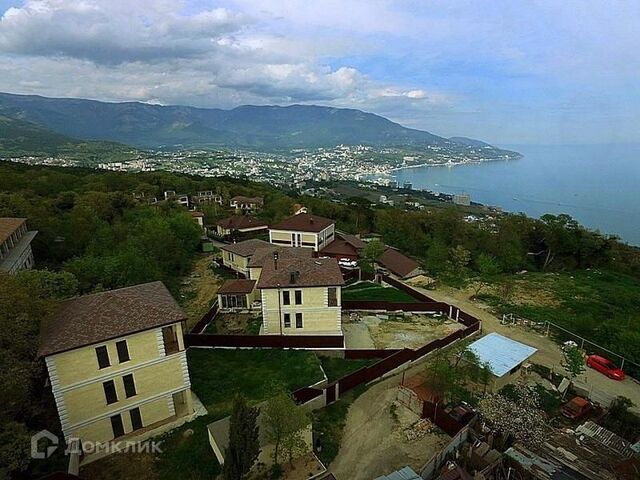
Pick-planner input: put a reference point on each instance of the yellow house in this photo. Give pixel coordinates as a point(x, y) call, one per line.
point(117, 363)
point(301, 296)
point(303, 230)
point(237, 255)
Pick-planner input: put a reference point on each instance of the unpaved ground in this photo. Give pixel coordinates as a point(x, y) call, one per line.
point(234, 323)
point(374, 442)
point(200, 288)
point(548, 353)
point(388, 331)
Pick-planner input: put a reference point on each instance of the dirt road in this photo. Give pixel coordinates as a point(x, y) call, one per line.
point(374, 442)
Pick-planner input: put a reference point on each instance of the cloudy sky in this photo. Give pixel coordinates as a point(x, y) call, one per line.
point(505, 71)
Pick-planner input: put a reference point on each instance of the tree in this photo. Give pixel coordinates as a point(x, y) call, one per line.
point(371, 252)
point(459, 258)
point(445, 379)
point(488, 269)
point(244, 445)
point(573, 362)
point(284, 422)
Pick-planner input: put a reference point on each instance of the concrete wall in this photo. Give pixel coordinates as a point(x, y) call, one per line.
point(77, 384)
point(317, 317)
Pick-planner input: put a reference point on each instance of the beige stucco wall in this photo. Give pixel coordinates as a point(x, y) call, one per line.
point(77, 384)
point(283, 237)
point(235, 262)
point(317, 317)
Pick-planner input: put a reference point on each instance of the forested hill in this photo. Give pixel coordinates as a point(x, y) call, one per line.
point(251, 127)
point(20, 138)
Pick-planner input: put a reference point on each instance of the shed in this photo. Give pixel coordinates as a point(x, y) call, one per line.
point(414, 391)
point(503, 355)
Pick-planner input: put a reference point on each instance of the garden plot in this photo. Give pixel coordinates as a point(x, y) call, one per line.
point(397, 330)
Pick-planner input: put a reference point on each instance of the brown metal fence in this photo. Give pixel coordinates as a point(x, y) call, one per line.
point(264, 341)
point(199, 327)
point(437, 307)
point(407, 289)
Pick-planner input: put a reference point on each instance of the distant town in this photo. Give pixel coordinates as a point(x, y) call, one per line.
point(342, 162)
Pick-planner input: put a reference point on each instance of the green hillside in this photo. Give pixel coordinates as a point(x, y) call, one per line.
point(19, 138)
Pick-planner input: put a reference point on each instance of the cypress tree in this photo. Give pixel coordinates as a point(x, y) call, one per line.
point(244, 445)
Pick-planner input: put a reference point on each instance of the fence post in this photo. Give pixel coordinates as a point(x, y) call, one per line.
point(450, 311)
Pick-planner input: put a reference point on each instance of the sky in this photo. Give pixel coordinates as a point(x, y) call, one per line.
point(504, 71)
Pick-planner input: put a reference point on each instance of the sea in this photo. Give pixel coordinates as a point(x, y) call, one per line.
point(598, 185)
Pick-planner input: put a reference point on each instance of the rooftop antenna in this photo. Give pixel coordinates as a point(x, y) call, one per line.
point(275, 260)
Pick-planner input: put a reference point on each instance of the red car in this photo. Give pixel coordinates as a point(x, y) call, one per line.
point(605, 366)
point(576, 408)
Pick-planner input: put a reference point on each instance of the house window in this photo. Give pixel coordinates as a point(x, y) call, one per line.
point(332, 297)
point(103, 357)
point(287, 320)
point(286, 298)
point(298, 320)
point(234, 301)
point(170, 340)
point(117, 426)
point(298, 294)
point(123, 351)
point(136, 418)
point(129, 385)
point(110, 392)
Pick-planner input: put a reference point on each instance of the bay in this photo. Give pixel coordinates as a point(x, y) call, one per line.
point(598, 185)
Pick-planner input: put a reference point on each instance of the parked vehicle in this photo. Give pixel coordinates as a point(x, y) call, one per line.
point(576, 408)
point(605, 366)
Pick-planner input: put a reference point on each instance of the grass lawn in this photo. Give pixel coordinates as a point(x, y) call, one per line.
point(374, 291)
point(217, 375)
point(602, 306)
point(336, 368)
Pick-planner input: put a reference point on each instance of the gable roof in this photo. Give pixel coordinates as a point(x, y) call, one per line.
point(398, 263)
point(304, 222)
point(237, 285)
point(238, 222)
point(352, 240)
point(501, 353)
point(344, 245)
point(311, 272)
point(243, 199)
point(263, 255)
point(95, 318)
point(9, 225)
point(246, 248)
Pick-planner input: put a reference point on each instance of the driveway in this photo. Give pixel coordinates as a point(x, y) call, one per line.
point(549, 352)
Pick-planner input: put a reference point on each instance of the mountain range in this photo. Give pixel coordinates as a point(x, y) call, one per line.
point(260, 128)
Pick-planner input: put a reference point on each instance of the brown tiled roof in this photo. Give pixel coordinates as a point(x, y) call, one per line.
point(243, 199)
point(9, 225)
point(304, 222)
point(352, 240)
point(339, 248)
point(246, 248)
point(263, 255)
point(238, 222)
point(237, 286)
point(103, 316)
point(196, 214)
point(311, 272)
point(397, 263)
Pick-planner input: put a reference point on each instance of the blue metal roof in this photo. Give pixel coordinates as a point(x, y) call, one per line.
point(407, 473)
point(501, 353)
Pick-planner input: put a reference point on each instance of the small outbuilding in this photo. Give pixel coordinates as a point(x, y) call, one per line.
point(503, 355)
point(237, 294)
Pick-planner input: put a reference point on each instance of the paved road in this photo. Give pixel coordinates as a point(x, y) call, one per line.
point(548, 354)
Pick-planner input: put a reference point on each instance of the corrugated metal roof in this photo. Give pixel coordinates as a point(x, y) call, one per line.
point(407, 473)
point(606, 438)
point(501, 353)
